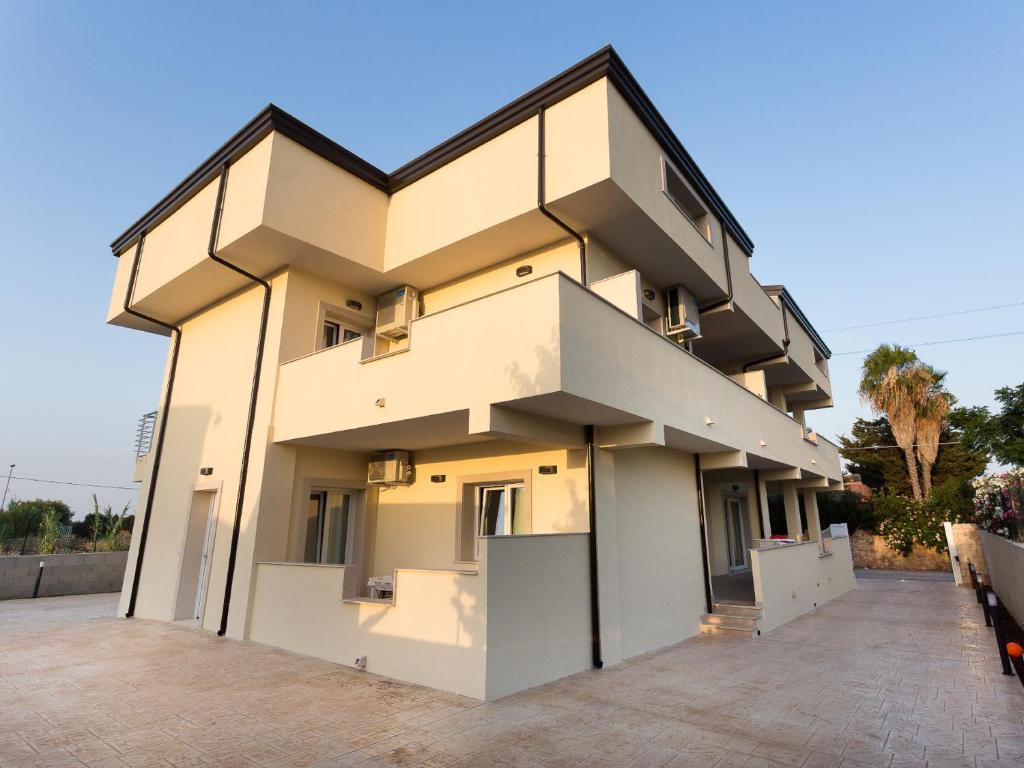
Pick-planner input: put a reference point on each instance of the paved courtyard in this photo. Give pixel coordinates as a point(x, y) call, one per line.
point(897, 673)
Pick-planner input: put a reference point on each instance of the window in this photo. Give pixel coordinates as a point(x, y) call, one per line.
point(686, 201)
point(335, 333)
point(327, 523)
point(501, 511)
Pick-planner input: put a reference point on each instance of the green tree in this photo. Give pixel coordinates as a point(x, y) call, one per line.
point(845, 507)
point(1000, 434)
point(22, 518)
point(885, 469)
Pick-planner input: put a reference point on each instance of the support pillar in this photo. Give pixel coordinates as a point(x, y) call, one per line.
point(811, 508)
point(766, 520)
point(792, 503)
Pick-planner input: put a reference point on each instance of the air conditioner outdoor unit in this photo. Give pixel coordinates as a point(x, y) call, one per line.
point(390, 468)
point(683, 316)
point(395, 310)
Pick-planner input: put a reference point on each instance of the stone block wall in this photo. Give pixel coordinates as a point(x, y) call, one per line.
point(83, 573)
point(870, 551)
point(967, 540)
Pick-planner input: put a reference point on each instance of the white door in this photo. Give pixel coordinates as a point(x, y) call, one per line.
point(734, 518)
point(204, 560)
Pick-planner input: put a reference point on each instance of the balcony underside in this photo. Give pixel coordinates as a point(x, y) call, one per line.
point(534, 363)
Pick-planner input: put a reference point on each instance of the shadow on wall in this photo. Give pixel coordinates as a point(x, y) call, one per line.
point(544, 373)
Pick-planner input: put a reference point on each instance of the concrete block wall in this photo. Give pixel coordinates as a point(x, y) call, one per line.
point(1005, 563)
point(84, 573)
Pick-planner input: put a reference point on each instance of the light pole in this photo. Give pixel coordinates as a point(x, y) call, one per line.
point(8, 485)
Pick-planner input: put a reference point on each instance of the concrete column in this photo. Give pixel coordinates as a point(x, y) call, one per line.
point(811, 508)
point(798, 414)
point(762, 492)
point(789, 498)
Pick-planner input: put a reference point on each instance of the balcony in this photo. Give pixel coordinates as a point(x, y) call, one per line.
point(535, 362)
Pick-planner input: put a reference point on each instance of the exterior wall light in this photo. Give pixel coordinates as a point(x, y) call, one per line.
point(437, 478)
point(380, 402)
point(709, 421)
point(548, 469)
point(353, 304)
point(206, 471)
point(763, 444)
point(524, 271)
point(649, 294)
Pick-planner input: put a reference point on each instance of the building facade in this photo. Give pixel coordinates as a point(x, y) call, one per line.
point(512, 411)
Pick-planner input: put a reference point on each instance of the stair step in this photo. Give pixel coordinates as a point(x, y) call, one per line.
point(732, 609)
point(719, 629)
point(734, 622)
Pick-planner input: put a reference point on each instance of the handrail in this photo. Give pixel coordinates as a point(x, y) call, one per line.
point(144, 434)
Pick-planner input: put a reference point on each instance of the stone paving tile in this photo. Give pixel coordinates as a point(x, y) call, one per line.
point(901, 674)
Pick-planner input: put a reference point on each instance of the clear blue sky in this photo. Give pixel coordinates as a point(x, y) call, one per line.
point(872, 151)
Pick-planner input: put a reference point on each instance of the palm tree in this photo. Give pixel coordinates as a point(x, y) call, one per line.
point(931, 419)
point(909, 392)
point(889, 386)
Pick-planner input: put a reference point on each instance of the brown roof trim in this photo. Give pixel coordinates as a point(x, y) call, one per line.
point(791, 305)
point(272, 118)
point(603, 63)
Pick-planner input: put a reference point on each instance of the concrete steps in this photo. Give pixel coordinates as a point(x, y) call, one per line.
point(731, 620)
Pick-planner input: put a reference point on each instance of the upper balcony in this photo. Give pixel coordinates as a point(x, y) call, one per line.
point(613, 169)
point(534, 362)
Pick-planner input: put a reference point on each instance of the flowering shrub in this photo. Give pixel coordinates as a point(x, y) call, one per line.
point(999, 503)
point(904, 522)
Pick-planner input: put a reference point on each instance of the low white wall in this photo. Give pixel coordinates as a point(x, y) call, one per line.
point(434, 634)
point(523, 621)
point(1005, 562)
point(791, 580)
point(538, 609)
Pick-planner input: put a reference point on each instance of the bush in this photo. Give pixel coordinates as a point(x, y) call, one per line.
point(999, 503)
point(49, 532)
point(904, 522)
point(845, 507)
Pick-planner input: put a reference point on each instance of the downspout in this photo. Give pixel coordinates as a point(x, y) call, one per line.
point(785, 341)
point(158, 452)
point(708, 603)
point(595, 607)
point(727, 299)
point(760, 509)
point(540, 199)
point(218, 213)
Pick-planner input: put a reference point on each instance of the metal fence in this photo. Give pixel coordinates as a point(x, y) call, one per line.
point(144, 434)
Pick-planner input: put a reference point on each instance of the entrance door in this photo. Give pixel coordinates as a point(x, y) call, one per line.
point(328, 520)
point(196, 555)
point(204, 562)
point(735, 518)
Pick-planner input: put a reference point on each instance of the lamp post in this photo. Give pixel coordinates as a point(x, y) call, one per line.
point(8, 485)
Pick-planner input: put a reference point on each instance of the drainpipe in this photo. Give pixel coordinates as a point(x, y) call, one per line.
point(785, 341)
point(218, 213)
point(728, 275)
point(595, 607)
point(760, 509)
point(540, 199)
point(158, 452)
point(708, 602)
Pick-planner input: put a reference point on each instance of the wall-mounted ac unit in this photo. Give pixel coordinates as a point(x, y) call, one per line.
point(395, 310)
point(682, 315)
point(390, 468)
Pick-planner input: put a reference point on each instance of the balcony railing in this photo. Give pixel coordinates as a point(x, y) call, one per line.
point(144, 434)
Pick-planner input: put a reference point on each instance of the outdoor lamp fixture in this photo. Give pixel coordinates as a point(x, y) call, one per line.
point(353, 304)
point(524, 271)
point(649, 294)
